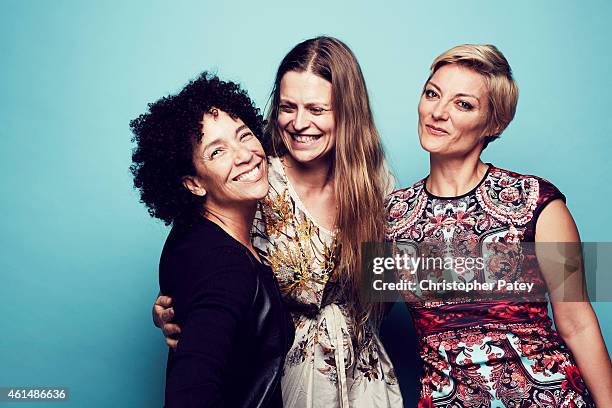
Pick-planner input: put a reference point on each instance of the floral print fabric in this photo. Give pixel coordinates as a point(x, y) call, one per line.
point(322, 369)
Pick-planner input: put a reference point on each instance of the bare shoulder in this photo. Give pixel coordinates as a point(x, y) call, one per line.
point(556, 224)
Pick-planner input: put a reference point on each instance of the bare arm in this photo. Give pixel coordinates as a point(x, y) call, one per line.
point(572, 311)
point(162, 317)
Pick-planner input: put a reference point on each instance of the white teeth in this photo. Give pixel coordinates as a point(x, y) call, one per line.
point(304, 139)
point(251, 175)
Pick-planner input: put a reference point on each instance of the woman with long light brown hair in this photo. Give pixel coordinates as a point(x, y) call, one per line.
point(328, 180)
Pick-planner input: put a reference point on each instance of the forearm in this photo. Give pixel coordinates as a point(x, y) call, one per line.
point(589, 350)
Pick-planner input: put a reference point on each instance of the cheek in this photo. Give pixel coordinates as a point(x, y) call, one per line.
point(330, 127)
point(469, 124)
point(219, 172)
point(422, 109)
point(283, 120)
point(256, 147)
point(327, 125)
point(202, 173)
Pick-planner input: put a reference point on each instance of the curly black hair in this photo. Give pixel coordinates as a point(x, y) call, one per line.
point(166, 135)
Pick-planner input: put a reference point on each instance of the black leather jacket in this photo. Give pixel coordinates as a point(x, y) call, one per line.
point(235, 330)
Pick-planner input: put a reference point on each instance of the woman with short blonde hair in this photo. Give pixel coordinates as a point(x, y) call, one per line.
point(502, 89)
point(498, 349)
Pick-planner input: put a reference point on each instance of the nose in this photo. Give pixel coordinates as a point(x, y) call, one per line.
point(242, 155)
point(300, 122)
point(440, 111)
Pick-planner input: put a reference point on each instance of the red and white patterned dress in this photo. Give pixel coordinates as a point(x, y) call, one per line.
point(498, 353)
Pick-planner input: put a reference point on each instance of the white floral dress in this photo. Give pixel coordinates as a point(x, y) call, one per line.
point(322, 368)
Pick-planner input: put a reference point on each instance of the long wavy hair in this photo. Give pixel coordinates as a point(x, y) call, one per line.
point(360, 173)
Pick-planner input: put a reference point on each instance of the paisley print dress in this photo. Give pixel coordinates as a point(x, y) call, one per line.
point(322, 369)
point(498, 353)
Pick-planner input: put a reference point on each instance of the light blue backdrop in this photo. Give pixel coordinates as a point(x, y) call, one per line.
point(78, 253)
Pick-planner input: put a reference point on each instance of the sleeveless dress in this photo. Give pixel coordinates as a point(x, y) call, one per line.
point(498, 353)
point(322, 368)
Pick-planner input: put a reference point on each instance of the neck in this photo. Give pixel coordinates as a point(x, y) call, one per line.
point(312, 176)
point(454, 176)
point(236, 221)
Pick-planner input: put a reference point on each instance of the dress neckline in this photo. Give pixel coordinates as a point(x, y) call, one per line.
point(278, 166)
point(471, 191)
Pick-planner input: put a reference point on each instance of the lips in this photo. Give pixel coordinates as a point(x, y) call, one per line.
point(436, 131)
point(250, 176)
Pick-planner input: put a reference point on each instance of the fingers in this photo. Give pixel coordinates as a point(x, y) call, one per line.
point(165, 315)
point(163, 301)
point(171, 329)
point(161, 315)
point(162, 312)
point(171, 343)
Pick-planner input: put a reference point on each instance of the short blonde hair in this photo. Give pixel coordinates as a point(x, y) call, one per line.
point(488, 61)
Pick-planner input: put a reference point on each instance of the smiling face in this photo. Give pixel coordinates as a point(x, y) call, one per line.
point(305, 118)
point(453, 112)
point(231, 169)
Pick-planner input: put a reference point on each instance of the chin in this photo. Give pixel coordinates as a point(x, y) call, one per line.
point(263, 192)
point(247, 194)
point(431, 145)
point(308, 156)
point(304, 157)
point(261, 189)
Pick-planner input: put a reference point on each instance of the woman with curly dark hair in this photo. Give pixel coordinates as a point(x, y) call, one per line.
point(199, 166)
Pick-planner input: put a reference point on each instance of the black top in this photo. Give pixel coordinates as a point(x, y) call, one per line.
point(234, 328)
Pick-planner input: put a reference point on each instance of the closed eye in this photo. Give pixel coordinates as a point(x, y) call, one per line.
point(316, 110)
point(286, 108)
point(246, 136)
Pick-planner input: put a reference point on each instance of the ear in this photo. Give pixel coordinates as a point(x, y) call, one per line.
point(194, 185)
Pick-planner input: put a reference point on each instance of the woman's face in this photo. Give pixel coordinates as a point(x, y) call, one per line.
point(230, 162)
point(453, 112)
point(305, 117)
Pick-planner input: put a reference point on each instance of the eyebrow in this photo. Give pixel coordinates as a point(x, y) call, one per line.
point(217, 140)
point(240, 128)
point(309, 104)
point(459, 94)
